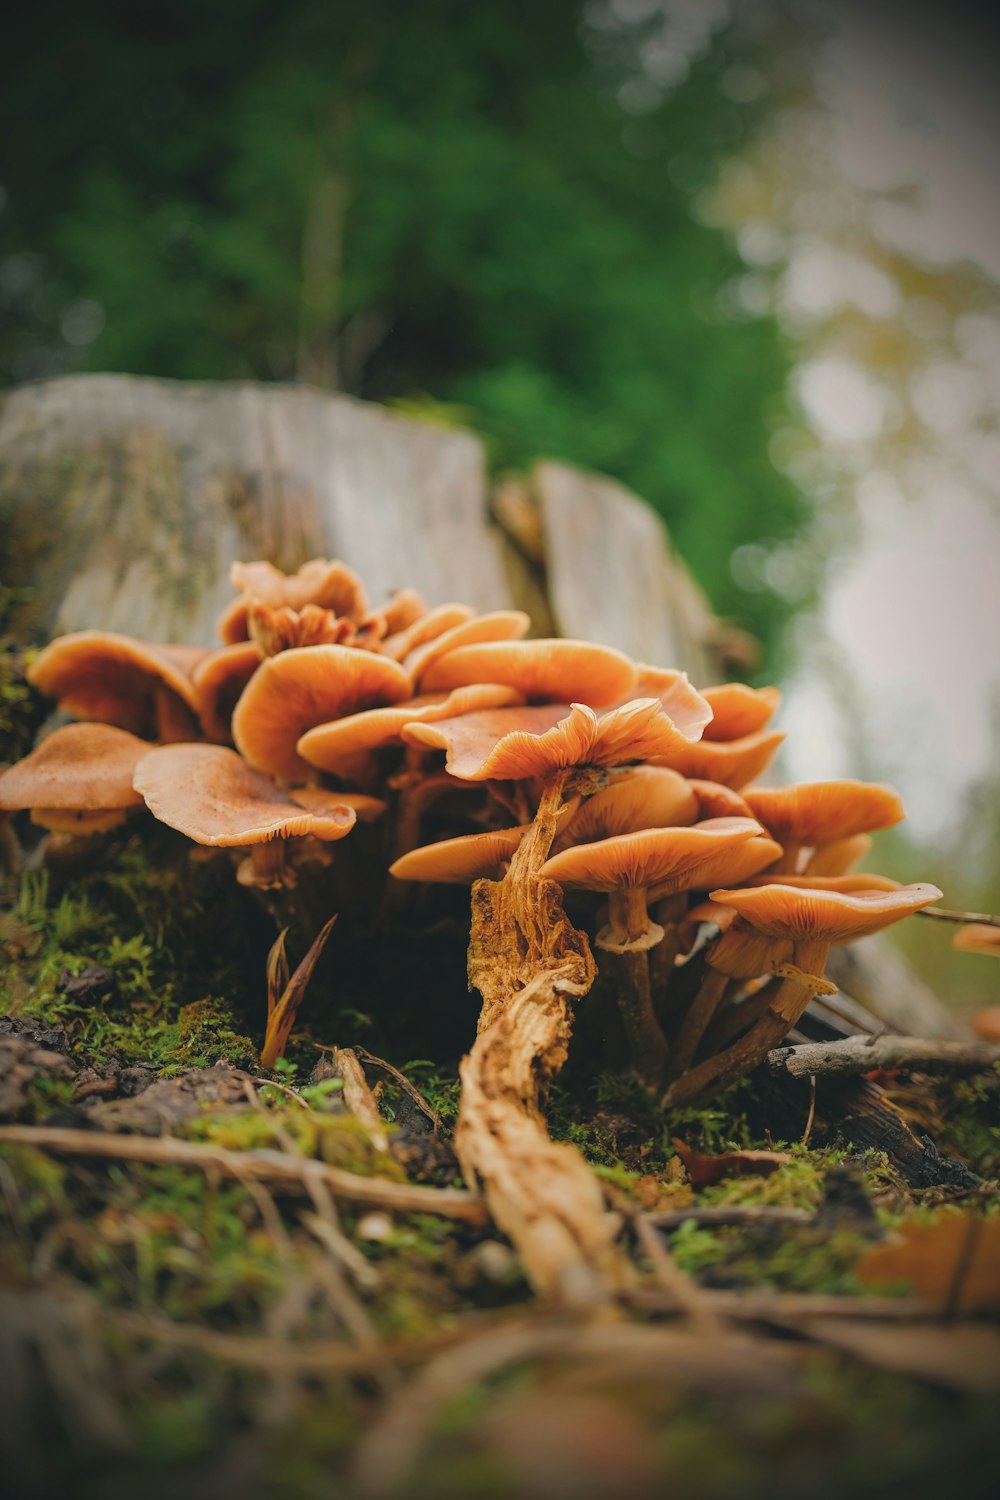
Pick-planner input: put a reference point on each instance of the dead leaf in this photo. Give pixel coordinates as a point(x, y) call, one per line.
point(703, 1170)
point(955, 1261)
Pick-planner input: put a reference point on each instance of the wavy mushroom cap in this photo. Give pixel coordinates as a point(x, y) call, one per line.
point(84, 767)
point(689, 709)
point(739, 710)
point(426, 627)
point(498, 625)
point(135, 685)
point(803, 913)
point(309, 685)
point(642, 797)
point(667, 858)
point(331, 585)
point(974, 937)
point(460, 861)
point(334, 747)
point(733, 864)
point(816, 812)
point(732, 763)
point(546, 671)
point(850, 885)
point(212, 796)
point(718, 801)
point(219, 679)
point(513, 744)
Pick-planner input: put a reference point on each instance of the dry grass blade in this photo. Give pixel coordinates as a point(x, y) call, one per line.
point(358, 1096)
point(272, 1167)
point(281, 1017)
point(277, 971)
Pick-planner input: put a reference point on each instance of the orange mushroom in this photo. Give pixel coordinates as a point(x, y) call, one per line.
point(213, 797)
point(298, 689)
point(498, 625)
point(331, 585)
point(425, 627)
point(462, 860)
point(78, 781)
point(733, 763)
point(738, 710)
point(974, 937)
point(134, 685)
point(544, 671)
point(819, 812)
point(812, 921)
point(219, 679)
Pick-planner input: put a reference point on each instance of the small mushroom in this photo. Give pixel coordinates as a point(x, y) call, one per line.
point(460, 861)
point(134, 685)
point(212, 796)
point(303, 687)
point(812, 921)
point(544, 671)
point(219, 679)
point(625, 867)
point(331, 585)
point(816, 813)
point(77, 782)
point(974, 937)
point(733, 763)
point(425, 627)
point(738, 710)
point(498, 625)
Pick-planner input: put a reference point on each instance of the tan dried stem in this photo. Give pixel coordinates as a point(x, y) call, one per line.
point(528, 963)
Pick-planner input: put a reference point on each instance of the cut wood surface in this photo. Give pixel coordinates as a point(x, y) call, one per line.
point(123, 500)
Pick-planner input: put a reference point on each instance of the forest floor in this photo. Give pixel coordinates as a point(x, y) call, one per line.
point(190, 1308)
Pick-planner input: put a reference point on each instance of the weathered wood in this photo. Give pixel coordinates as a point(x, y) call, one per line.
point(868, 1054)
point(123, 500)
point(612, 574)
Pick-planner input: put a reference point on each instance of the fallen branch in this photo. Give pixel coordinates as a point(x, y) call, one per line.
point(866, 1054)
point(723, 1214)
point(272, 1167)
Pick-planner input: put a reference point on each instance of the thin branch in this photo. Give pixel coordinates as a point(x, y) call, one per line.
point(358, 1096)
point(262, 1166)
point(943, 915)
point(724, 1214)
point(864, 1054)
point(405, 1084)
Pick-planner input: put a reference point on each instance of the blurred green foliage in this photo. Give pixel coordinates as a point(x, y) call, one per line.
point(436, 199)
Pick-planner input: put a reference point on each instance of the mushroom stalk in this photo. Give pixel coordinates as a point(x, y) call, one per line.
point(627, 914)
point(528, 961)
point(646, 1043)
point(696, 1022)
point(803, 977)
point(267, 866)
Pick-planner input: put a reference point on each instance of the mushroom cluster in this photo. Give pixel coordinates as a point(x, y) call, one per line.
point(592, 803)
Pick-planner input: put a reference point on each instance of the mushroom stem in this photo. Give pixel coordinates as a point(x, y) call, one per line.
point(627, 913)
point(266, 868)
point(669, 913)
point(785, 1006)
point(788, 863)
point(646, 1042)
point(696, 1021)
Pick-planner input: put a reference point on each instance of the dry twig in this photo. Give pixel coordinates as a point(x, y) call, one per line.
point(865, 1054)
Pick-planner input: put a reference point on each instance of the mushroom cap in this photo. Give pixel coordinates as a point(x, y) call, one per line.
point(739, 710)
point(318, 798)
point(667, 858)
point(333, 746)
point(803, 913)
point(210, 794)
point(819, 811)
point(642, 797)
point(513, 744)
point(405, 606)
point(548, 671)
point(425, 627)
point(497, 625)
point(839, 855)
point(850, 885)
point(733, 763)
point(98, 674)
point(81, 767)
point(974, 937)
point(732, 864)
point(331, 585)
point(689, 709)
point(301, 688)
point(718, 801)
point(219, 679)
point(462, 860)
